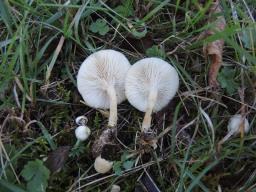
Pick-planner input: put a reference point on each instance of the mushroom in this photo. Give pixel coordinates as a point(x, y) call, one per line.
point(235, 122)
point(100, 81)
point(82, 132)
point(235, 125)
point(150, 85)
point(81, 120)
point(115, 188)
point(102, 165)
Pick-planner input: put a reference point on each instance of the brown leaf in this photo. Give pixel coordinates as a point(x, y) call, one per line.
point(57, 158)
point(214, 49)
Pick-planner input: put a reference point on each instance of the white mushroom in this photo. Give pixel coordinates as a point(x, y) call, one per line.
point(235, 125)
point(115, 188)
point(101, 80)
point(235, 122)
point(82, 132)
point(102, 165)
point(81, 120)
point(150, 84)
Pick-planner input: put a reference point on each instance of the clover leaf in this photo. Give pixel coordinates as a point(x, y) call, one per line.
point(36, 175)
point(128, 164)
point(117, 167)
point(155, 51)
point(227, 80)
point(99, 26)
point(126, 9)
point(123, 165)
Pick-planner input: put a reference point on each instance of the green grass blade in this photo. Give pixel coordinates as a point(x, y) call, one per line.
point(47, 135)
point(195, 182)
point(192, 177)
point(174, 127)
point(10, 187)
point(5, 15)
point(155, 10)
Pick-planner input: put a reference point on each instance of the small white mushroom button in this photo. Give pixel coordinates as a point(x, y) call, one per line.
point(235, 122)
point(82, 132)
point(102, 165)
point(81, 120)
point(115, 188)
point(235, 125)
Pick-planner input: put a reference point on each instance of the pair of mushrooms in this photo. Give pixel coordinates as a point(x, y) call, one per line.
point(106, 78)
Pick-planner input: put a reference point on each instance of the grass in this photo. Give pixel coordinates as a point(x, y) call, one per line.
point(43, 43)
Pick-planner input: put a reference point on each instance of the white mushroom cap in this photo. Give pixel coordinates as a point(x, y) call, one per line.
point(100, 70)
point(115, 188)
point(101, 80)
point(82, 132)
point(150, 84)
point(235, 122)
point(81, 120)
point(102, 165)
point(151, 74)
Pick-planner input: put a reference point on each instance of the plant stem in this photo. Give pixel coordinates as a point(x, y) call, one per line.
point(77, 144)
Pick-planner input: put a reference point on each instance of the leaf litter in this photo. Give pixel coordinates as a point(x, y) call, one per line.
point(214, 49)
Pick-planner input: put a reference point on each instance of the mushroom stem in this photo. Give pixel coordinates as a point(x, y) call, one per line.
point(148, 115)
point(230, 133)
point(112, 121)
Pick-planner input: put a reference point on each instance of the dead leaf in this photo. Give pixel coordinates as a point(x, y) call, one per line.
point(57, 158)
point(148, 142)
point(214, 49)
